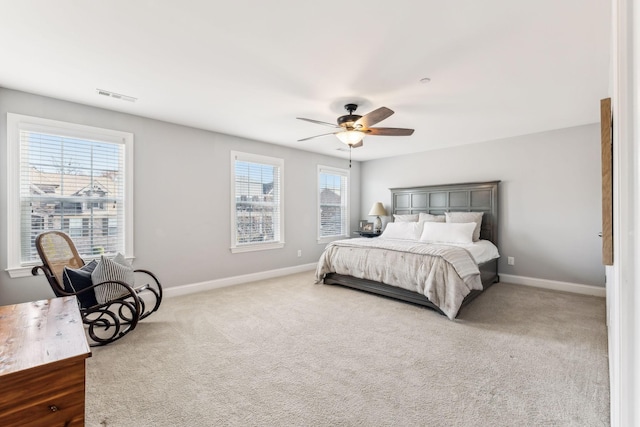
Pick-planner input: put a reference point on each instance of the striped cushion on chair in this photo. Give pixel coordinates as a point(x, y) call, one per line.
point(106, 270)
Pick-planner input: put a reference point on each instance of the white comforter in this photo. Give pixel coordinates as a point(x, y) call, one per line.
point(444, 274)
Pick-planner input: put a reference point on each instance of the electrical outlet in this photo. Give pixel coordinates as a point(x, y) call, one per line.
point(299, 252)
point(511, 260)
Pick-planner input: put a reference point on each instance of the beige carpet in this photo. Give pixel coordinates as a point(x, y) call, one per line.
point(286, 352)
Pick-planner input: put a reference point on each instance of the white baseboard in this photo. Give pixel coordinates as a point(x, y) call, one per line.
point(235, 280)
point(555, 285)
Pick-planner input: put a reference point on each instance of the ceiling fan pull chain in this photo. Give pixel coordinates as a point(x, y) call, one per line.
point(350, 148)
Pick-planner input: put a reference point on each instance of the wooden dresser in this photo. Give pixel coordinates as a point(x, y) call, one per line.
point(43, 348)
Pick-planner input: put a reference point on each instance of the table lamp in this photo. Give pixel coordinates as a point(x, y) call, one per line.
point(377, 209)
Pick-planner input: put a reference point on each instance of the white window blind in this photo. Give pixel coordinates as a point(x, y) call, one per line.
point(333, 203)
point(71, 178)
point(257, 202)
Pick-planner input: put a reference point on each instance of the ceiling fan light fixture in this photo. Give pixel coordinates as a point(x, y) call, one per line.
point(350, 137)
point(354, 127)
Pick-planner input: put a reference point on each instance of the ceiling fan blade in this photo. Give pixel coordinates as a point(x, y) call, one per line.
point(318, 122)
point(373, 117)
point(389, 131)
point(317, 136)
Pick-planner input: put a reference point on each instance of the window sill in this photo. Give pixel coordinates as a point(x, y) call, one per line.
point(17, 272)
point(257, 247)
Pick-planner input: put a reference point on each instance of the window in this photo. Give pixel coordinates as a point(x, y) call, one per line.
point(109, 226)
point(333, 203)
point(67, 177)
point(75, 227)
point(256, 202)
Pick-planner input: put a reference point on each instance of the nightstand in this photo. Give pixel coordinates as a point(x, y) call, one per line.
point(367, 233)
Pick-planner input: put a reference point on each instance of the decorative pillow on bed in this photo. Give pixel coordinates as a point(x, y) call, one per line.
point(467, 217)
point(115, 269)
point(405, 218)
point(74, 280)
point(425, 217)
point(402, 230)
point(442, 232)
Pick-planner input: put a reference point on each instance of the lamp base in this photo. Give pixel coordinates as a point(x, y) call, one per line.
point(377, 226)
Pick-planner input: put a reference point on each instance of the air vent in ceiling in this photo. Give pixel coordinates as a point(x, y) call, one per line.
point(116, 95)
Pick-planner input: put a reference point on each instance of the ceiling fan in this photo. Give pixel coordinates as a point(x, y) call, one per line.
point(352, 128)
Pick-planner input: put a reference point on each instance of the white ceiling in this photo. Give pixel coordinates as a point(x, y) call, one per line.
point(498, 68)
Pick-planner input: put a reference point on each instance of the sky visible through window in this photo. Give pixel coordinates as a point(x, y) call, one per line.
point(255, 172)
point(331, 182)
point(57, 154)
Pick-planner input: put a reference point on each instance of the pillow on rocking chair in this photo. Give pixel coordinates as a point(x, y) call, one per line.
point(74, 280)
point(112, 269)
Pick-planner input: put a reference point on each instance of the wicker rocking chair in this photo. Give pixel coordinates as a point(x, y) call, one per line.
point(107, 319)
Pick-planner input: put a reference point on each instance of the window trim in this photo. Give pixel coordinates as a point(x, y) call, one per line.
point(255, 158)
point(18, 122)
point(336, 171)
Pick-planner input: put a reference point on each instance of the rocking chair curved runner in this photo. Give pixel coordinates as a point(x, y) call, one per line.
point(107, 318)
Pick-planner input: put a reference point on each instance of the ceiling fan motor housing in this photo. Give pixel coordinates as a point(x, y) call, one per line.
point(348, 120)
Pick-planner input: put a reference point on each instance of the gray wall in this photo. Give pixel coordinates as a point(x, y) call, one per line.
point(182, 198)
point(550, 206)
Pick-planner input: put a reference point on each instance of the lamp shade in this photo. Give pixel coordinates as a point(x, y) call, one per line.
point(350, 137)
point(378, 209)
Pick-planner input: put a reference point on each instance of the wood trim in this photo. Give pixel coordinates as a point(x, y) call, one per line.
point(607, 181)
point(42, 368)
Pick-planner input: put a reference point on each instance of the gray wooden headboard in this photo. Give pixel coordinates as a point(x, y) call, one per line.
point(438, 199)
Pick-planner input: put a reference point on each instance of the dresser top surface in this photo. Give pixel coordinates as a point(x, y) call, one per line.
point(41, 332)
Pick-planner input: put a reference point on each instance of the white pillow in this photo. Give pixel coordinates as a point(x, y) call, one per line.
point(448, 232)
point(425, 217)
point(402, 230)
point(405, 218)
point(467, 217)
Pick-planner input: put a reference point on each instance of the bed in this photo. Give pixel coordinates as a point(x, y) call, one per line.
point(359, 263)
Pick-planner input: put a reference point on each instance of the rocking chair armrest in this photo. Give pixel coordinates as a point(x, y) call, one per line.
point(128, 292)
point(56, 287)
point(34, 270)
point(147, 272)
point(75, 293)
point(150, 291)
point(153, 276)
